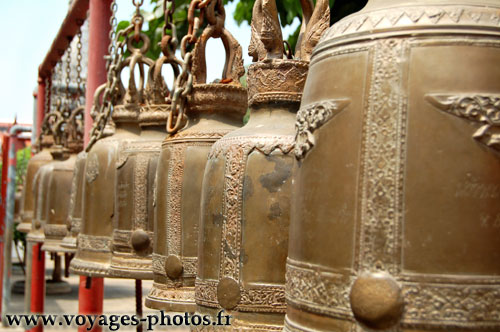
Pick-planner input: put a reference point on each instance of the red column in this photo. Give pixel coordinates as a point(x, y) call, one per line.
point(40, 106)
point(38, 283)
point(100, 14)
point(91, 291)
point(3, 205)
point(90, 296)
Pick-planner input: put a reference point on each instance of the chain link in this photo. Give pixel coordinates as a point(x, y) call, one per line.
point(67, 78)
point(183, 84)
point(79, 87)
point(105, 95)
point(113, 23)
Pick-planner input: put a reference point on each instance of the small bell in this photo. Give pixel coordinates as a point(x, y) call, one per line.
point(212, 110)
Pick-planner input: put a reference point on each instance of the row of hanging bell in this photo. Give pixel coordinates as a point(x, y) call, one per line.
point(213, 110)
point(116, 214)
point(396, 221)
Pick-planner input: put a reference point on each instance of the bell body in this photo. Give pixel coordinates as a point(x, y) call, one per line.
point(245, 206)
point(134, 213)
point(28, 199)
point(93, 256)
point(74, 221)
point(40, 212)
point(214, 110)
point(58, 200)
point(396, 215)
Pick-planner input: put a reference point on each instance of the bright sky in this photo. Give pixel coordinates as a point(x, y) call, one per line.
point(28, 28)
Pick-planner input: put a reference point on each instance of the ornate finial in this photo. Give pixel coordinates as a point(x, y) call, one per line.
point(313, 27)
point(267, 40)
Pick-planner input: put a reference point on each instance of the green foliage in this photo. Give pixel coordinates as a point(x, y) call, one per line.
point(23, 156)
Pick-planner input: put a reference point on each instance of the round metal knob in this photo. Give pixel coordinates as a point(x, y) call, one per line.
point(228, 293)
point(140, 240)
point(376, 300)
point(173, 267)
point(38, 224)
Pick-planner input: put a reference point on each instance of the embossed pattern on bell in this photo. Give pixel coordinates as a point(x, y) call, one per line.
point(395, 209)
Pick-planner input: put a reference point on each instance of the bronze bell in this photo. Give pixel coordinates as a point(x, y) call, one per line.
point(60, 181)
point(396, 215)
point(248, 181)
point(135, 173)
point(28, 199)
point(213, 110)
point(102, 175)
point(40, 211)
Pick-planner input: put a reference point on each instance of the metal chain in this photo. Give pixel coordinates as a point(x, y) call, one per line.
point(105, 95)
point(79, 87)
point(183, 84)
point(113, 23)
point(67, 78)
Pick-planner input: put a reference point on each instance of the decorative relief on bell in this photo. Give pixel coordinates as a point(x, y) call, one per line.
point(310, 118)
point(92, 168)
point(479, 108)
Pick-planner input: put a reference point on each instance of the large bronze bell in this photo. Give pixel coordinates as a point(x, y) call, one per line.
point(60, 181)
point(396, 215)
point(213, 110)
point(135, 174)
point(248, 180)
point(28, 199)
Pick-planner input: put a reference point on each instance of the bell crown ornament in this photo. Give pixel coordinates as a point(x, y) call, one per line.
point(272, 78)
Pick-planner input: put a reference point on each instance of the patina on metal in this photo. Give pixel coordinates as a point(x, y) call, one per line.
point(396, 214)
point(248, 181)
point(60, 180)
point(93, 256)
point(132, 244)
point(211, 111)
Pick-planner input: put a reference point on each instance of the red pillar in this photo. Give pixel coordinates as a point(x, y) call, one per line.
point(91, 290)
point(3, 205)
point(100, 14)
point(38, 283)
point(91, 294)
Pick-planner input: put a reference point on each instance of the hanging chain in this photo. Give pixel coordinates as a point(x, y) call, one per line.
point(106, 94)
point(113, 23)
point(67, 102)
point(183, 84)
point(79, 87)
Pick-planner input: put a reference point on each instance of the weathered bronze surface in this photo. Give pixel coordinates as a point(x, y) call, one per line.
point(58, 198)
point(213, 110)
point(70, 129)
point(28, 200)
point(74, 221)
point(246, 194)
point(395, 221)
point(132, 244)
point(40, 202)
